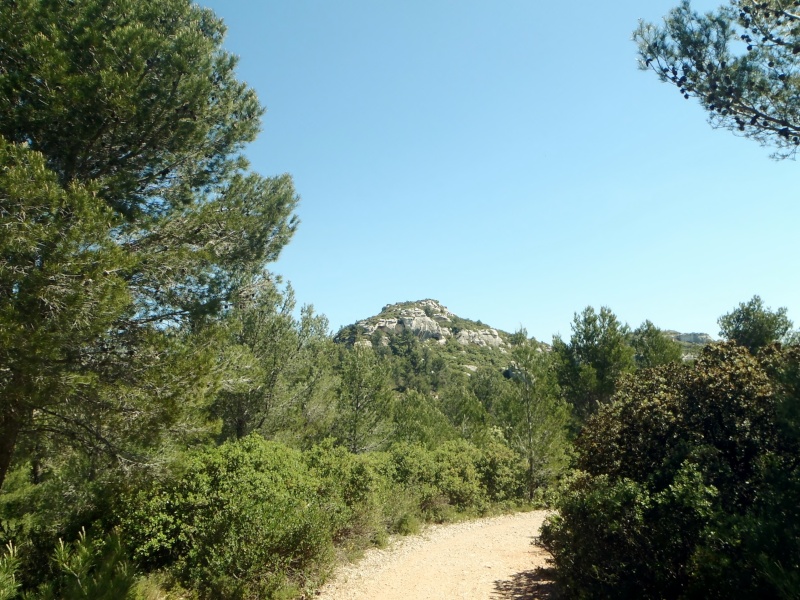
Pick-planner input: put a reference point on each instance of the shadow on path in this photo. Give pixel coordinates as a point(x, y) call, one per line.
point(528, 585)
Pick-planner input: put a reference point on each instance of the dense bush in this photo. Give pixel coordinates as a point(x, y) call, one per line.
point(248, 519)
point(88, 569)
point(243, 520)
point(255, 519)
point(687, 485)
point(43, 502)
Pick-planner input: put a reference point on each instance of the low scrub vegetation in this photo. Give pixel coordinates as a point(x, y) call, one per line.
point(253, 518)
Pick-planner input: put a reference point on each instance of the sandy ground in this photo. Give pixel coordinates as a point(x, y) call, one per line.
point(478, 560)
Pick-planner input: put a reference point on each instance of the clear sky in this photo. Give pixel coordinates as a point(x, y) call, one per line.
point(509, 160)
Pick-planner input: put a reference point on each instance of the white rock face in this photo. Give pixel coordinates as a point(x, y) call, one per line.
point(425, 328)
point(435, 308)
point(694, 338)
point(482, 337)
point(386, 324)
point(414, 320)
point(427, 319)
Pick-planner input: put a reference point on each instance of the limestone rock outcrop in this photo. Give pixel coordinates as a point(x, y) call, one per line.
point(694, 338)
point(429, 320)
point(411, 319)
point(481, 337)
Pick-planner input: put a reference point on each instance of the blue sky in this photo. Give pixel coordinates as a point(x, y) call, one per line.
point(509, 160)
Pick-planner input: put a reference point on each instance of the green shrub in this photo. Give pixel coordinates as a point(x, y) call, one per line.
point(457, 476)
point(52, 501)
point(408, 524)
point(501, 472)
point(689, 485)
point(88, 569)
point(599, 526)
point(352, 490)
point(240, 521)
point(9, 565)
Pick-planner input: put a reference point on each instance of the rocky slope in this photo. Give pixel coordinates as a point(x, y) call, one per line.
point(426, 320)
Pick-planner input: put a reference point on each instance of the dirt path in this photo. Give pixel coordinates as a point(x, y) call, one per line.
point(477, 560)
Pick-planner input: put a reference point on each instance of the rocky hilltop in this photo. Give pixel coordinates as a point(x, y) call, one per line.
point(690, 338)
point(430, 321)
point(426, 320)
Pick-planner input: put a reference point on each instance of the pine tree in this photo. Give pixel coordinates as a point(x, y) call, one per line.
point(140, 224)
point(741, 62)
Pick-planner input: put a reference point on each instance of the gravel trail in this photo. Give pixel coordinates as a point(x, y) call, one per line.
point(487, 559)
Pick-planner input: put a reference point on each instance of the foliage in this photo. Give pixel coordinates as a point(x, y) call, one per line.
point(419, 419)
point(363, 420)
point(502, 473)
point(534, 417)
point(490, 386)
point(280, 367)
point(254, 517)
point(136, 317)
point(464, 410)
point(94, 569)
point(9, 564)
point(740, 62)
point(685, 485)
point(652, 347)
point(90, 569)
point(239, 521)
point(590, 365)
point(457, 477)
point(753, 325)
point(139, 225)
point(59, 291)
point(416, 365)
point(53, 498)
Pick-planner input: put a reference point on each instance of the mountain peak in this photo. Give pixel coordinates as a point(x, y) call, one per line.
point(426, 319)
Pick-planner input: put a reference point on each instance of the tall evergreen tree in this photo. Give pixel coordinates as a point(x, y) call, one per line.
point(534, 416)
point(130, 116)
point(590, 365)
point(753, 325)
point(364, 418)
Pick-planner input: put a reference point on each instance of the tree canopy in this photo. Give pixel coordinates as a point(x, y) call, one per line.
point(653, 347)
point(590, 365)
point(742, 62)
point(753, 325)
point(143, 219)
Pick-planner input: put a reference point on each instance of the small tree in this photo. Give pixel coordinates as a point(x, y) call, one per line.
point(363, 420)
point(590, 365)
point(280, 364)
point(753, 325)
point(653, 347)
point(534, 416)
